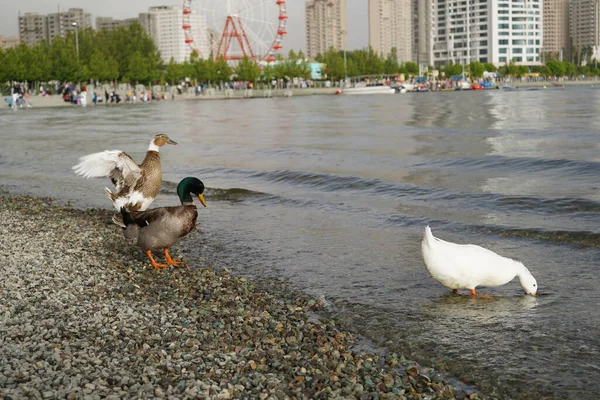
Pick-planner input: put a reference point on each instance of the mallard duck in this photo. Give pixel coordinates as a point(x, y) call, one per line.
point(159, 228)
point(136, 185)
point(467, 266)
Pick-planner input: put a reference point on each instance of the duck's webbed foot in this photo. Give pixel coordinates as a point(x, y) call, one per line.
point(154, 263)
point(170, 261)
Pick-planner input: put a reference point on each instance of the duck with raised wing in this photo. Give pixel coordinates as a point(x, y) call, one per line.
point(466, 266)
point(136, 185)
point(159, 228)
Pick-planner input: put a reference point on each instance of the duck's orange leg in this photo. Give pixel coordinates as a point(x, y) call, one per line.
point(170, 261)
point(473, 292)
point(154, 263)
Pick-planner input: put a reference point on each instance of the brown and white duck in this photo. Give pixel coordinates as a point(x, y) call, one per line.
point(136, 185)
point(159, 228)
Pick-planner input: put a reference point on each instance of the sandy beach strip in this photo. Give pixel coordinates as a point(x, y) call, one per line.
point(83, 315)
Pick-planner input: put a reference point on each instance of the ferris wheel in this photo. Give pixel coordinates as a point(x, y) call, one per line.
point(235, 28)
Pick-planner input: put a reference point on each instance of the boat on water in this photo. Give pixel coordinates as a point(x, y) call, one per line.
point(369, 89)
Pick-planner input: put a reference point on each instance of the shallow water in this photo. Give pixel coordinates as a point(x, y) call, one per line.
point(332, 193)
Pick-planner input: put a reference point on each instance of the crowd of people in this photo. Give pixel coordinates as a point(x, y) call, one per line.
point(19, 97)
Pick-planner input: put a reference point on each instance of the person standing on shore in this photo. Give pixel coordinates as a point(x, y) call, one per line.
point(83, 97)
point(27, 101)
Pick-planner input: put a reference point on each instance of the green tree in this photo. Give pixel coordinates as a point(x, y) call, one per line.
point(390, 65)
point(569, 68)
point(64, 60)
point(247, 70)
point(223, 70)
point(489, 67)
point(138, 70)
point(174, 71)
point(411, 68)
point(556, 68)
point(452, 69)
point(334, 64)
point(476, 69)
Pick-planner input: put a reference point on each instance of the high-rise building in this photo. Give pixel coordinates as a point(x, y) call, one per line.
point(145, 20)
point(326, 26)
point(556, 28)
point(110, 23)
point(422, 19)
point(585, 26)
point(33, 28)
point(167, 31)
point(62, 22)
point(390, 27)
point(495, 31)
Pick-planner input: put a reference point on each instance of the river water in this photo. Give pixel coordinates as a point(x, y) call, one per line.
point(332, 193)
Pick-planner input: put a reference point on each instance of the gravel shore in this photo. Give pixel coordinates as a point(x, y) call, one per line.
point(83, 315)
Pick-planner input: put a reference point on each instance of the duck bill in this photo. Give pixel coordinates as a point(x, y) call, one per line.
point(201, 198)
point(171, 142)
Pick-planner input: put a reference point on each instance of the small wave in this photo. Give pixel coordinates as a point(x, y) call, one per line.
point(239, 194)
point(528, 164)
point(234, 194)
point(583, 239)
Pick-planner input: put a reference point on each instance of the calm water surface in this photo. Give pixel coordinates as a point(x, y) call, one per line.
point(332, 193)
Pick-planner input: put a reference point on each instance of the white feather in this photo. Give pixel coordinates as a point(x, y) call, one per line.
point(103, 163)
point(133, 198)
point(467, 266)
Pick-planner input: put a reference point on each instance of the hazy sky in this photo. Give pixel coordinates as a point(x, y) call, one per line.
point(9, 26)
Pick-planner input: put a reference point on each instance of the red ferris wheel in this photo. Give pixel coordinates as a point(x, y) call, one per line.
point(235, 28)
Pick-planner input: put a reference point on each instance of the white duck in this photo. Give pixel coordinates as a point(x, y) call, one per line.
point(467, 266)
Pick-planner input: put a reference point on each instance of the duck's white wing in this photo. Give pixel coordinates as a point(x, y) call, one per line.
point(114, 164)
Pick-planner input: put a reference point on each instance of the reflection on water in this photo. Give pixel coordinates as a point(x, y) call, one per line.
point(332, 194)
point(477, 309)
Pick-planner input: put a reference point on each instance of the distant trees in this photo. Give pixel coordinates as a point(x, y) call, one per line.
point(124, 54)
point(364, 62)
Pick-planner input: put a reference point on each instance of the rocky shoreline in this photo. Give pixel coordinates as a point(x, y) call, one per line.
point(83, 315)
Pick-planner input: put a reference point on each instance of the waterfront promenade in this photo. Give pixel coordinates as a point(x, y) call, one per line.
point(214, 94)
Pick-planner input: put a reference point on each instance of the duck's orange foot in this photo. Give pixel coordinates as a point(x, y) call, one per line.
point(154, 263)
point(480, 296)
point(170, 261)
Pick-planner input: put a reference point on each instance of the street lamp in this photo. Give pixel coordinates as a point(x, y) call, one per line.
point(345, 32)
point(76, 38)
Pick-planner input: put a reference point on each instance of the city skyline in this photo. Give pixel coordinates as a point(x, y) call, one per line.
point(296, 39)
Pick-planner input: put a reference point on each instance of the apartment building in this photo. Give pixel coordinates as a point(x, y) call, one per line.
point(33, 28)
point(556, 28)
point(422, 18)
point(165, 25)
point(62, 22)
point(495, 31)
point(585, 25)
point(326, 26)
point(110, 23)
point(390, 27)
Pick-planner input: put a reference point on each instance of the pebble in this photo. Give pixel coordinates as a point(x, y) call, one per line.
point(84, 316)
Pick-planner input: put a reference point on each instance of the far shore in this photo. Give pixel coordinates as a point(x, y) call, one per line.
point(57, 100)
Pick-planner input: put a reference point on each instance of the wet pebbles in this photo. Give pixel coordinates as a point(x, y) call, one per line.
point(83, 315)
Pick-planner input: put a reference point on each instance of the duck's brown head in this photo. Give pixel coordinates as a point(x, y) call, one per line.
point(161, 139)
